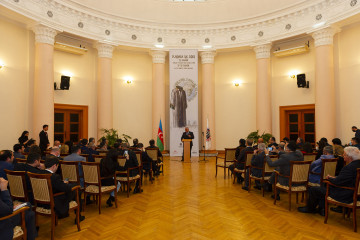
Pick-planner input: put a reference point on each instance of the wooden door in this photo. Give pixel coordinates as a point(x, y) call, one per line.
point(70, 123)
point(301, 123)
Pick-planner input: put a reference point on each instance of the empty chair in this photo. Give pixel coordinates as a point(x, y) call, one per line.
point(225, 162)
point(17, 184)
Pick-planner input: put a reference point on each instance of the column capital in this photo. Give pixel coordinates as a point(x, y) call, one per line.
point(262, 51)
point(158, 56)
point(104, 50)
point(44, 34)
point(207, 57)
point(324, 36)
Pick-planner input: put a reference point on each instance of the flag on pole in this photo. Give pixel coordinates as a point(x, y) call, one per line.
point(208, 136)
point(160, 138)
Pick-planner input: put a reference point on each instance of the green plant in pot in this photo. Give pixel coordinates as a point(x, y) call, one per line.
point(112, 136)
point(255, 136)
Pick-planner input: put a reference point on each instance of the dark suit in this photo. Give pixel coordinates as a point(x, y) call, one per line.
point(7, 226)
point(283, 166)
point(108, 167)
point(357, 133)
point(44, 140)
point(238, 150)
point(132, 162)
point(187, 135)
point(256, 161)
point(240, 161)
point(346, 178)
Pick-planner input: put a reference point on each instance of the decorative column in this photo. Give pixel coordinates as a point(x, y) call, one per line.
point(158, 92)
point(44, 81)
point(104, 97)
point(208, 95)
point(324, 84)
point(263, 89)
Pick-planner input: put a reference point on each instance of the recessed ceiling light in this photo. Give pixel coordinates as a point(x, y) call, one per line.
point(159, 45)
point(319, 24)
point(207, 46)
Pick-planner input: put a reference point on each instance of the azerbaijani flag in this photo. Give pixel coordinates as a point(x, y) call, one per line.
point(160, 138)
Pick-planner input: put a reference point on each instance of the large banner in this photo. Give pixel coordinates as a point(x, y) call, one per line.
point(183, 99)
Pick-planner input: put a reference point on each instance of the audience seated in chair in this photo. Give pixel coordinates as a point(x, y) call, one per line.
point(242, 145)
point(355, 142)
point(317, 164)
point(147, 163)
point(18, 151)
point(131, 162)
point(346, 178)
point(83, 145)
point(240, 161)
point(75, 157)
point(6, 162)
point(6, 208)
point(283, 164)
point(91, 150)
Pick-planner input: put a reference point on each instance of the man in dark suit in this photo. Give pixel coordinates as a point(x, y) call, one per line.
point(6, 208)
point(346, 178)
point(356, 131)
point(187, 135)
point(18, 151)
point(58, 185)
point(242, 145)
point(241, 159)
point(283, 164)
point(44, 139)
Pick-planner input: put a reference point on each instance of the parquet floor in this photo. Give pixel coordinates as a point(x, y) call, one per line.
point(188, 202)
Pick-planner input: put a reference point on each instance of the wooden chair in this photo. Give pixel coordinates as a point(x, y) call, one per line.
point(299, 175)
point(328, 168)
point(92, 182)
point(153, 154)
point(64, 154)
point(124, 176)
point(266, 171)
point(20, 160)
point(309, 156)
point(139, 159)
point(248, 158)
point(97, 158)
point(85, 156)
point(43, 194)
point(20, 232)
point(17, 184)
point(70, 171)
point(353, 206)
point(227, 160)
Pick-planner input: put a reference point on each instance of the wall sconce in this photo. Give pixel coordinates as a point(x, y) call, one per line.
point(237, 83)
point(2, 65)
point(292, 76)
point(128, 79)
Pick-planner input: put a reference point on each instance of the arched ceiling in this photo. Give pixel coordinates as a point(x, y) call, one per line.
point(204, 12)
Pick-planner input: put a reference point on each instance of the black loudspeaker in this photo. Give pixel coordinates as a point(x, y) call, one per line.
point(301, 81)
point(65, 83)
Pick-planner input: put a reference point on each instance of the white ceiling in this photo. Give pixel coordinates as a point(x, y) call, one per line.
point(210, 11)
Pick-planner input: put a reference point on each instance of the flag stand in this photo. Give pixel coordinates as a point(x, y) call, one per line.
point(203, 147)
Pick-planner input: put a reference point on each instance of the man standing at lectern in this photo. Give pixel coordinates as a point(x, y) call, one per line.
point(187, 135)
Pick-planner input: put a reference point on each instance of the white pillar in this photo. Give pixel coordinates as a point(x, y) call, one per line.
point(208, 95)
point(263, 89)
point(104, 98)
point(44, 81)
point(324, 84)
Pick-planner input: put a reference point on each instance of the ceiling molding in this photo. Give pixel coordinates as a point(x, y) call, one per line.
point(118, 31)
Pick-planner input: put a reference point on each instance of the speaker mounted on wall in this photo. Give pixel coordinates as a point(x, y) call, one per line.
point(65, 82)
point(301, 81)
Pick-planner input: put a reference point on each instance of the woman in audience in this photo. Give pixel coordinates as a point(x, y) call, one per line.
point(338, 153)
point(65, 148)
point(108, 166)
point(104, 144)
point(24, 138)
point(307, 148)
point(319, 148)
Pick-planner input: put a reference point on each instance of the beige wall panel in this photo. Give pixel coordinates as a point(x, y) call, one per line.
point(235, 107)
point(132, 102)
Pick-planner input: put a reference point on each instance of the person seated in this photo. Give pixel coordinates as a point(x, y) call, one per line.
point(108, 166)
point(355, 142)
point(307, 148)
point(91, 151)
point(135, 143)
point(152, 145)
point(285, 140)
point(30, 143)
point(55, 151)
point(65, 149)
point(75, 157)
point(283, 164)
point(272, 142)
point(299, 143)
point(316, 166)
point(131, 162)
point(240, 161)
point(6, 162)
point(32, 165)
point(61, 202)
point(24, 138)
point(147, 162)
point(319, 148)
point(18, 151)
point(338, 153)
point(92, 140)
point(346, 178)
point(242, 144)
point(257, 161)
point(6, 208)
point(325, 141)
point(260, 140)
point(83, 145)
point(103, 144)
point(57, 144)
point(280, 149)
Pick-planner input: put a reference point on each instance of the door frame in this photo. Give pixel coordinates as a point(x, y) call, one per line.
point(85, 115)
point(284, 109)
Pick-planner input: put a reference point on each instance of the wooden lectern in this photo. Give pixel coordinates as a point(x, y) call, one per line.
point(186, 143)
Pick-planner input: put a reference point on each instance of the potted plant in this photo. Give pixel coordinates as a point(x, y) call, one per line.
point(255, 136)
point(112, 136)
